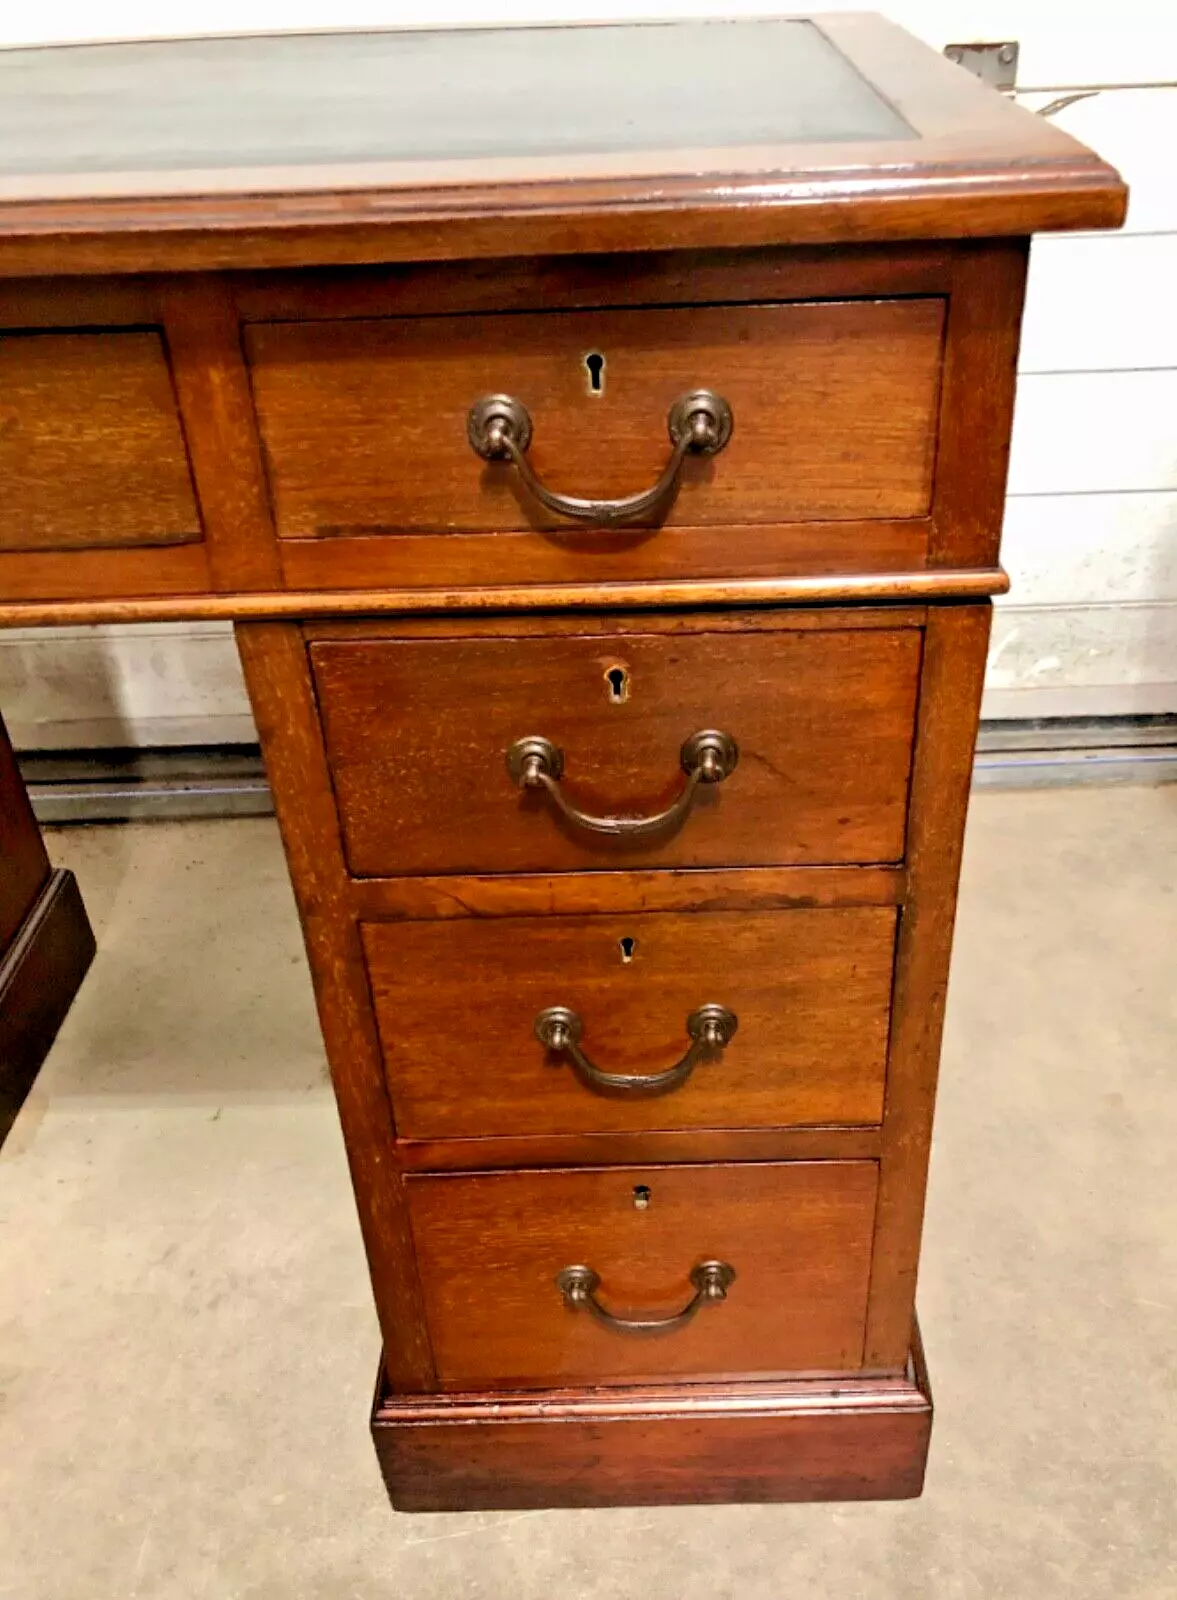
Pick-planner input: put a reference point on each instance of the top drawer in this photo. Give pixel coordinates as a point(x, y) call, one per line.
point(91, 450)
point(834, 408)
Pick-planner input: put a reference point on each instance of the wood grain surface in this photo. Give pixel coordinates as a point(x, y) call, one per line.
point(690, 1444)
point(417, 732)
point(205, 348)
point(690, 1147)
point(950, 700)
point(834, 408)
point(174, 585)
point(291, 309)
point(489, 1247)
point(456, 1002)
point(544, 894)
point(587, 281)
point(282, 697)
point(977, 401)
point(91, 452)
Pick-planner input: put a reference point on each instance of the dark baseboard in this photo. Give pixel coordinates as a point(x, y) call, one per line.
point(130, 785)
point(1052, 752)
point(40, 974)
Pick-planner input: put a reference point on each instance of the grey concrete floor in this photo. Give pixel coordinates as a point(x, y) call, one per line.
point(187, 1343)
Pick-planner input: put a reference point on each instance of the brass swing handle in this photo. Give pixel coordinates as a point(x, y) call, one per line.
point(711, 1281)
point(499, 429)
point(706, 757)
point(710, 1029)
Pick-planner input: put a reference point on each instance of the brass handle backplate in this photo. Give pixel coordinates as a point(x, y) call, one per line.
point(710, 1029)
point(710, 1280)
point(499, 429)
point(706, 757)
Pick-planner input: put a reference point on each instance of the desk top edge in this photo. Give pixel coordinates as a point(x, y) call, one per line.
point(959, 584)
point(948, 158)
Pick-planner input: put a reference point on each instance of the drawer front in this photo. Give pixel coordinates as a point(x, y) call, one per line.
point(490, 1246)
point(91, 451)
point(834, 407)
point(418, 731)
point(457, 1004)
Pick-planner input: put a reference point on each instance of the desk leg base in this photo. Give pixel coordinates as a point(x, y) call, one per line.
point(687, 1444)
point(39, 975)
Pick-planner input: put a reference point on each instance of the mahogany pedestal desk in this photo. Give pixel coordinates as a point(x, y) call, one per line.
point(46, 945)
point(598, 437)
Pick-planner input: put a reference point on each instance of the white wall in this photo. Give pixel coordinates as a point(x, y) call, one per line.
point(1090, 627)
point(1091, 536)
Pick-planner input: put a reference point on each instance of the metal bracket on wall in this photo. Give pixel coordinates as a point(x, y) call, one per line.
point(995, 64)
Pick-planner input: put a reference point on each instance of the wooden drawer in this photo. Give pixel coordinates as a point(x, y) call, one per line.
point(489, 1247)
point(457, 1001)
point(418, 730)
point(91, 450)
point(835, 419)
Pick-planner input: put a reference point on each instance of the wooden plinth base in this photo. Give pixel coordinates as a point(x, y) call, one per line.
point(687, 1444)
point(39, 976)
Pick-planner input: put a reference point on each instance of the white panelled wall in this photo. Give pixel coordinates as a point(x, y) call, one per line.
point(1091, 531)
point(1090, 626)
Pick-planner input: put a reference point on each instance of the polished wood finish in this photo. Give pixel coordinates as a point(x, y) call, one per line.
point(91, 452)
point(571, 283)
point(490, 1245)
point(46, 944)
point(294, 311)
point(232, 574)
point(824, 722)
point(977, 401)
point(282, 696)
point(542, 894)
point(100, 579)
point(213, 385)
point(41, 575)
point(816, 1439)
point(979, 167)
point(688, 1147)
point(954, 672)
point(834, 407)
point(811, 560)
point(455, 1006)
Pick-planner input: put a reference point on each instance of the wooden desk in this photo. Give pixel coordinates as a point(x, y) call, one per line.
point(599, 437)
point(46, 945)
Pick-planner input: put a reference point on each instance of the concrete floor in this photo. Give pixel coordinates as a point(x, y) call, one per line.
point(187, 1343)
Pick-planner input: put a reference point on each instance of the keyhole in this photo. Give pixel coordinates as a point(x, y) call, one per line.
point(618, 680)
point(595, 366)
point(627, 947)
point(641, 1197)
